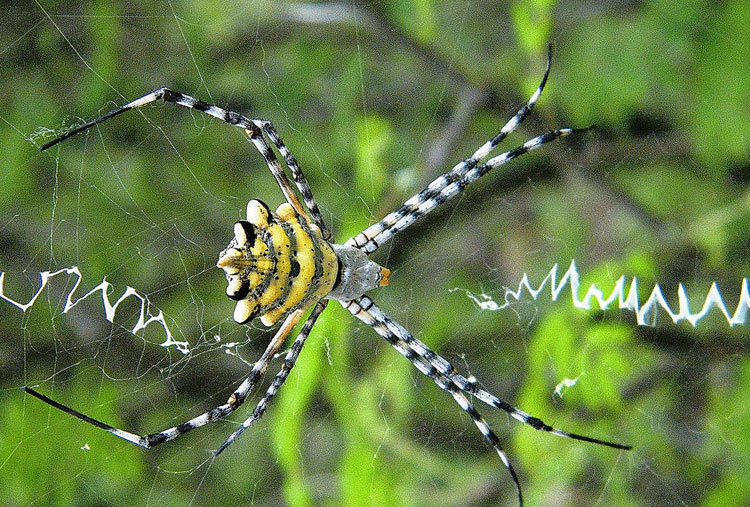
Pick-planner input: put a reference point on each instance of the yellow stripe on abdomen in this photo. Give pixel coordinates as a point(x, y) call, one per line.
point(303, 257)
point(282, 252)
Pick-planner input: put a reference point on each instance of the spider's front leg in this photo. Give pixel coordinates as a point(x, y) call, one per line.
point(453, 182)
point(440, 371)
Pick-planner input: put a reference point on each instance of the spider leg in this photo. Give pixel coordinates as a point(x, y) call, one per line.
point(362, 309)
point(253, 128)
point(237, 398)
point(166, 95)
point(374, 236)
point(289, 361)
point(299, 178)
point(449, 188)
point(274, 166)
point(399, 334)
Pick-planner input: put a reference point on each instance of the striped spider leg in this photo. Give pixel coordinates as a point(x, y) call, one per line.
point(236, 400)
point(445, 375)
point(254, 129)
point(289, 361)
point(454, 181)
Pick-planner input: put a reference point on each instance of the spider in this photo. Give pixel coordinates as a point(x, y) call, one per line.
point(282, 264)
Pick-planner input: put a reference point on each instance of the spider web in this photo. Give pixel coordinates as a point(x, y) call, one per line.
point(374, 101)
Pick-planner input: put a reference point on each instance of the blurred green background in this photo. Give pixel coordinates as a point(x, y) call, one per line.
point(375, 99)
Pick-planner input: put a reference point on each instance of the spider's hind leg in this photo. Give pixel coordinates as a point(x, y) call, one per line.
point(290, 359)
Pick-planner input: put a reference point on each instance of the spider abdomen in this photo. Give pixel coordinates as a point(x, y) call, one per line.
point(276, 264)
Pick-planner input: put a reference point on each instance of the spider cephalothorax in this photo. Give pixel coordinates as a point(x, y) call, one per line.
point(282, 264)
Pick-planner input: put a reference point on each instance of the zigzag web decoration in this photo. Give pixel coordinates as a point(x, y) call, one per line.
point(145, 316)
point(627, 300)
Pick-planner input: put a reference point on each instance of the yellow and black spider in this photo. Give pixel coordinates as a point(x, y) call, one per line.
point(283, 264)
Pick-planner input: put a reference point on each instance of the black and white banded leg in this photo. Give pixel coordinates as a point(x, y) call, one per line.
point(442, 372)
point(362, 309)
point(454, 181)
point(299, 178)
point(290, 359)
point(254, 129)
point(445, 368)
point(444, 187)
point(235, 401)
